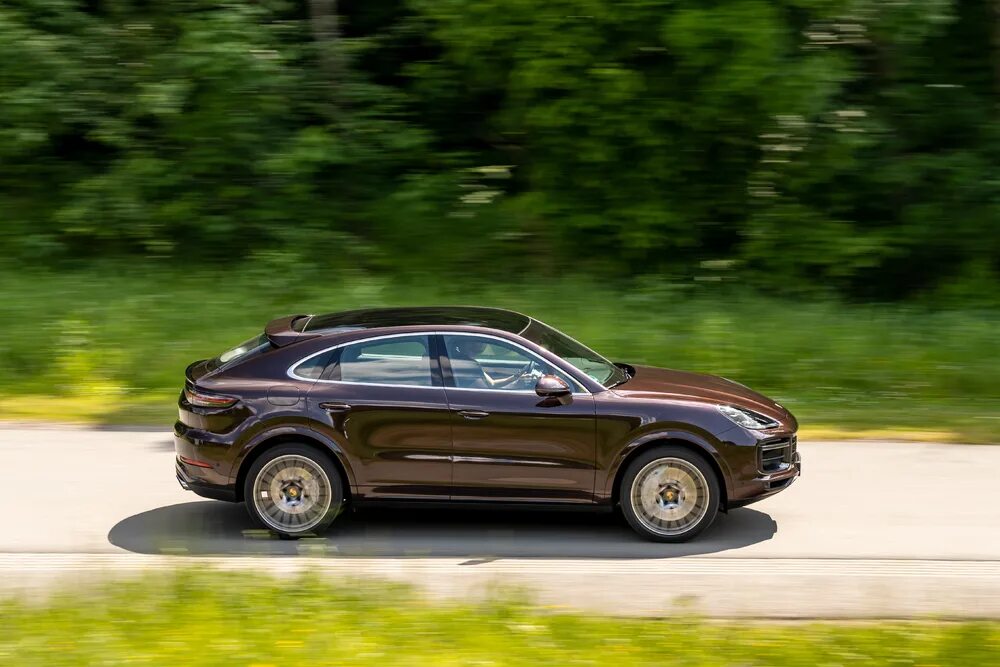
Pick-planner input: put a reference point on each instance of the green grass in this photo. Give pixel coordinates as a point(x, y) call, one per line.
point(244, 619)
point(109, 344)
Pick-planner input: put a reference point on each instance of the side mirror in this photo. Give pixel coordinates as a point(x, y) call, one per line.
point(550, 386)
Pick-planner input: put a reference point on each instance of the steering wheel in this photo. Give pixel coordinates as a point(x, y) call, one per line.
point(529, 374)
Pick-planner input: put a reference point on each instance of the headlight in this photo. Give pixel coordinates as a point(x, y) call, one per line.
point(746, 418)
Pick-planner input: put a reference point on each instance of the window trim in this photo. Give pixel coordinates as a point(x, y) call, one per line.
point(437, 375)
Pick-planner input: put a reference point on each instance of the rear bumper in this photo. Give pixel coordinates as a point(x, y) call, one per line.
point(202, 465)
point(213, 491)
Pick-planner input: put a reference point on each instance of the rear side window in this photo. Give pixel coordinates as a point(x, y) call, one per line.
point(402, 361)
point(398, 361)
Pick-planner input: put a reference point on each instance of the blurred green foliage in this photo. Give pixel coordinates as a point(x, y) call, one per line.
point(110, 343)
point(845, 146)
point(212, 618)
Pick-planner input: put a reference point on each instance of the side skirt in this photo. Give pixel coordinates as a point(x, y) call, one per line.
point(488, 505)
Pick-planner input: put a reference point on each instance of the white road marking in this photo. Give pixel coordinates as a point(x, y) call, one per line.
point(725, 567)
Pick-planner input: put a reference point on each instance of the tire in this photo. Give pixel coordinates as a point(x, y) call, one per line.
point(308, 486)
point(681, 494)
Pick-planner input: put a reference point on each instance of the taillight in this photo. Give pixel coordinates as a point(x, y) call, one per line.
point(203, 400)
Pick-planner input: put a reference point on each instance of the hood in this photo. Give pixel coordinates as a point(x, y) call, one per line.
point(661, 383)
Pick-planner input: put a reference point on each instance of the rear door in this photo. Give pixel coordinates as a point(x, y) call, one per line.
point(382, 400)
point(508, 443)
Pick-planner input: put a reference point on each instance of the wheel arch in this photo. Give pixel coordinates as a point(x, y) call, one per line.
point(638, 447)
point(271, 439)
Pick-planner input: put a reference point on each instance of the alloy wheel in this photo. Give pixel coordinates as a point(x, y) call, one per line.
point(292, 493)
point(670, 496)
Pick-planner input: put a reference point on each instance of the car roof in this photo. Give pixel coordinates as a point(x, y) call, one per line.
point(381, 318)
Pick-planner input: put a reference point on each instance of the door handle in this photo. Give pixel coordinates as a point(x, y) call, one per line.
point(335, 407)
point(473, 414)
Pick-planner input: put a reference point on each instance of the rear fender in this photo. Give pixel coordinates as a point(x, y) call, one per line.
point(284, 432)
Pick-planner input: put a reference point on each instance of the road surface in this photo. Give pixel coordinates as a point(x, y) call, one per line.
point(873, 530)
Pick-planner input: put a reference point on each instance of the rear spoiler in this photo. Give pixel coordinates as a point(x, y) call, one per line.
point(281, 332)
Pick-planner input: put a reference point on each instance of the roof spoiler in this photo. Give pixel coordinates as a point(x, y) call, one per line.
point(281, 332)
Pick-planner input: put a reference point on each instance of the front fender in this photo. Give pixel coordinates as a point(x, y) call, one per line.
point(703, 442)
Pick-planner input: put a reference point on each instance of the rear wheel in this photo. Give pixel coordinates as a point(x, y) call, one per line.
point(293, 490)
point(669, 494)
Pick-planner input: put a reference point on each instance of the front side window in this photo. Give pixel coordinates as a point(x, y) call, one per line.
point(404, 361)
point(479, 362)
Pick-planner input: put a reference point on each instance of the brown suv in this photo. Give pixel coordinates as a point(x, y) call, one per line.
point(472, 405)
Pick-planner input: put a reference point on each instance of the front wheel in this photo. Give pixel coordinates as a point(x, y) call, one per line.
point(293, 490)
point(669, 494)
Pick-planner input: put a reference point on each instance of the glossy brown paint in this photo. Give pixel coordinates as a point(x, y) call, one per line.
point(664, 384)
point(525, 447)
point(444, 443)
point(397, 439)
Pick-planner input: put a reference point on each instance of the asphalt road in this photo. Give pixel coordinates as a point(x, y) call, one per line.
point(873, 529)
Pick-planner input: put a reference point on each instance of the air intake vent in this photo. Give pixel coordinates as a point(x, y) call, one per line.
point(777, 454)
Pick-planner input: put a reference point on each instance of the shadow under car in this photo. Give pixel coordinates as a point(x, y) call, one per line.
point(217, 528)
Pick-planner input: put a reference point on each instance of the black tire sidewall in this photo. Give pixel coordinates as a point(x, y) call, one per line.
point(315, 455)
point(665, 451)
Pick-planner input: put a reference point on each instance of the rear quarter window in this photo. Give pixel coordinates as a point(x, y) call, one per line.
point(312, 369)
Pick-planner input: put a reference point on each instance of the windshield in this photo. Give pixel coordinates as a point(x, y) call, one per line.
point(582, 357)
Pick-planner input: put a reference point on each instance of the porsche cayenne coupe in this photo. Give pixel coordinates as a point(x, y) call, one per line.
point(469, 405)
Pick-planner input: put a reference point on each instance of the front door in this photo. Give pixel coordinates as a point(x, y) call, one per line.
point(507, 442)
point(382, 401)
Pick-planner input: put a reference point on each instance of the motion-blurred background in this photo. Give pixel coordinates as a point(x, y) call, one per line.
point(800, 195)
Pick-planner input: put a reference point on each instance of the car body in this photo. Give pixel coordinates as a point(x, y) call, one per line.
point(473, 405)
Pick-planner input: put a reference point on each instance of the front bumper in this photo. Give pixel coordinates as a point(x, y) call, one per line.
point(765, 485)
